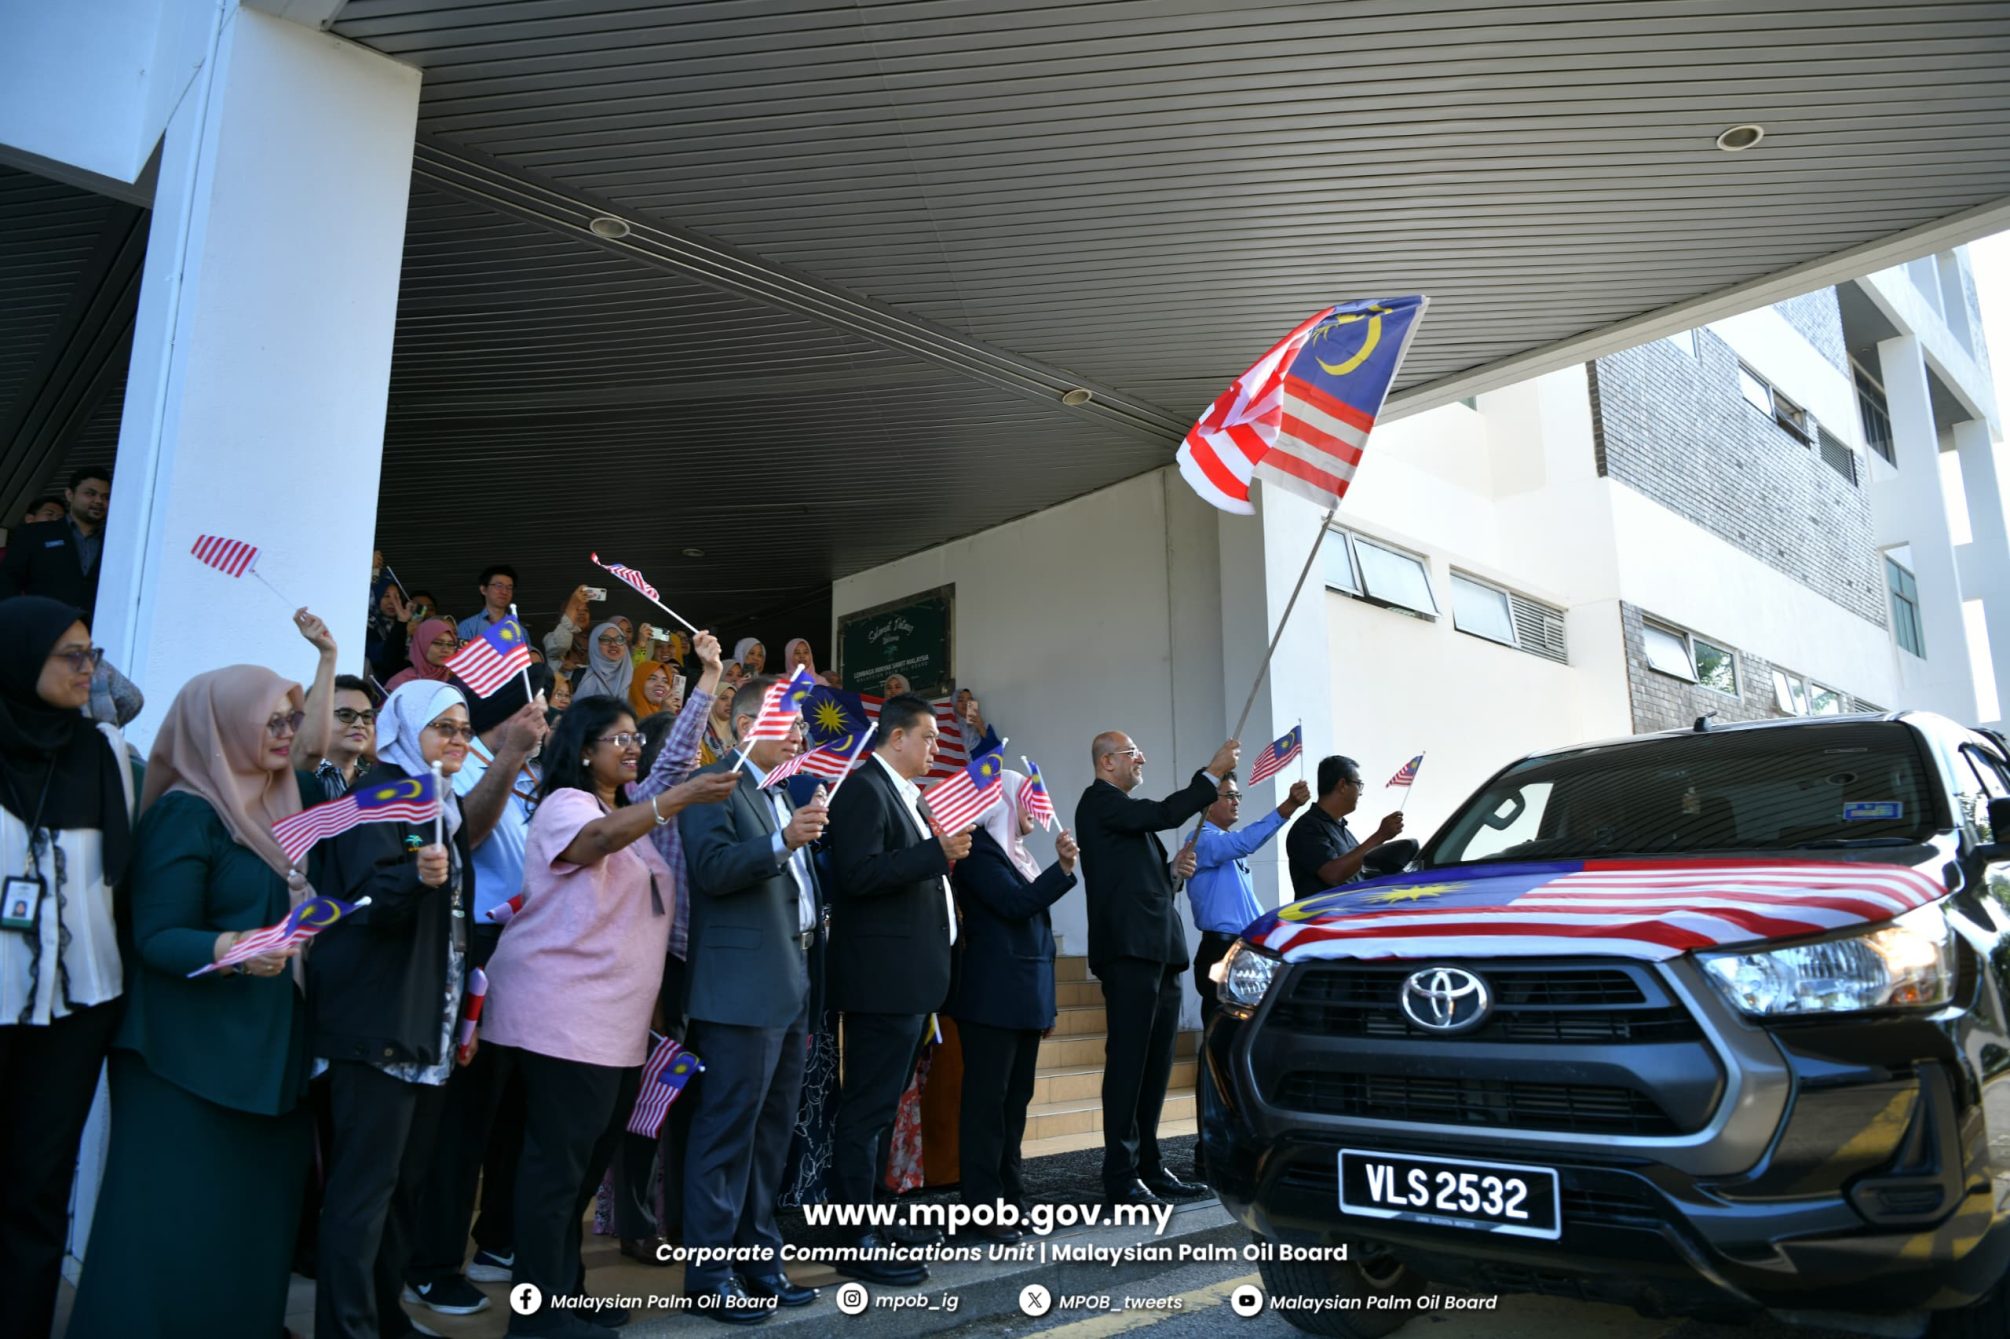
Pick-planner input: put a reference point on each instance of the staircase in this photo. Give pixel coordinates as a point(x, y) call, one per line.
point(1067, 1109)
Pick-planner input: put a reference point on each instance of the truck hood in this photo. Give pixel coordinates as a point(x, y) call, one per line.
point(1645, 909)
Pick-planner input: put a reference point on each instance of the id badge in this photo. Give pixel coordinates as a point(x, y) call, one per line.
point(20, 902)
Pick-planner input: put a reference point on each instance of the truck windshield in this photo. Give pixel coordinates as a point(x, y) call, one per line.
point(1851, 784)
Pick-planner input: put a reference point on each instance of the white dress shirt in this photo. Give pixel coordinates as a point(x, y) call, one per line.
point(796, 860)
point(911, 793)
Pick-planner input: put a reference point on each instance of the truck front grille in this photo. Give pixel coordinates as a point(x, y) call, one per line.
point(1500, 1104)
point(1595, 1004)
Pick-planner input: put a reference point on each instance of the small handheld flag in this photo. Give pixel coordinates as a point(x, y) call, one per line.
point(634, 581)
point(669, 1069)
point(478, 994)
point(1277, 755)
point(502, 911)
point(781, 708)
point(1033, 796)
point(232, 557)
point(416, 799)
point(828, 762)
point(305, 921)
point(491, 660)
point(964, 798)
point(1407, 774)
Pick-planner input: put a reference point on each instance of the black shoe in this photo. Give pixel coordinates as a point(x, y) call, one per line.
point(890, 1272)
point(905, 1234)
point(778, 1287)
point(1000, 1233)
point(728, 1303)
point(452, 1296)
point(649, 1250)
point(1169, 1187)
point(1133, 1191)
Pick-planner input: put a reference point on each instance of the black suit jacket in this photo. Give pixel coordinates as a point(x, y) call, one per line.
point(1124, 866)
point(42, 559)
point(745, 964)
point(1005, 961)
point(889, 945)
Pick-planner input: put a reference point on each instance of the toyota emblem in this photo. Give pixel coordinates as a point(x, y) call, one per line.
point(1445, 1000)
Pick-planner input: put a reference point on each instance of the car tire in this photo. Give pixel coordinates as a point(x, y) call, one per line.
point(1987, 1319)
point(1364, 1275)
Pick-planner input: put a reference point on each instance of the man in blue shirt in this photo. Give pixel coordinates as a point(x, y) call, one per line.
point(1221, 893)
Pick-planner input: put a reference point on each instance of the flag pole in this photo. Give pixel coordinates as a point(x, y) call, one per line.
point(1412, 786)
point(1025, 762)
point(528, 695)
point(852, 761)
point(1264, 669)
point(253, 571)
point(1300, 727)
point(651, 598)
point(440, 813)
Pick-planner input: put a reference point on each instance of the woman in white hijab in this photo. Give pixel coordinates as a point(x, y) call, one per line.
point(608, 670)
point(751, 655)
point(1003, 998)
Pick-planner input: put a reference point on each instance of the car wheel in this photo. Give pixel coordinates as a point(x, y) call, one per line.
point(1378, 1293)
point(1987, 1319)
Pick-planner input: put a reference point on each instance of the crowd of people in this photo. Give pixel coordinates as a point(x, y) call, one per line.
point(608, 857)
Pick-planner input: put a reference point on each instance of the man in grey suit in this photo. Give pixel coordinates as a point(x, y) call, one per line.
point(755, 909)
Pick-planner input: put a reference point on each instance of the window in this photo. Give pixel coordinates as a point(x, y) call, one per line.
point(1668, 652)
point(1339, 563)
point(1716, 667)
point(1762, 396)
point(1685, 340)
point(1757, 392)
point(1790, 693)
point(1875, 413)
point(1394, 577)
point(1823, 701)
point(1481, 610)
point(1837, 455)
point(1539, 628)
point(1905, 626)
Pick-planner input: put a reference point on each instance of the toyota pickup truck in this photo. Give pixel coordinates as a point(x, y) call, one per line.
point(1710, 1023)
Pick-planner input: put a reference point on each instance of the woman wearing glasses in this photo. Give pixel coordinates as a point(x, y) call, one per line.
point(352, 744)
point(574, 980)
point(433, 645)
point(608, 670)
point(385, 994)
point(194, 1226)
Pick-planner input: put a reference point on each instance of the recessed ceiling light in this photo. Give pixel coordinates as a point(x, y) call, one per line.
point(1739, 138)
point(694, 553)
point(613, 229)
point(1081, 395)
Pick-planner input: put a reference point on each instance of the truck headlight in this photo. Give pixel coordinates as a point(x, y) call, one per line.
point(1245, 974)
point(1906, 963)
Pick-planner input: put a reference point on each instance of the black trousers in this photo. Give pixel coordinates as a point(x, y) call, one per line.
point(635, 1156)
point(495, 1225)
point(384, 1134)
point(998, 1076)
point(1213, 948)
point(740, 1132)
point(1141, 1000)
point(568, 1140)
point(468, 1126)
point(48, 1076)
point(879, 1055)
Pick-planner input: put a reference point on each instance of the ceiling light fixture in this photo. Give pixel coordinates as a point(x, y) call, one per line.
point(1739, 138)
point(613, 229)
point(694, 553)
point(1077, 397)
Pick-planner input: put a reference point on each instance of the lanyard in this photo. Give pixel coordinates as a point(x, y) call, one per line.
point(35, 823)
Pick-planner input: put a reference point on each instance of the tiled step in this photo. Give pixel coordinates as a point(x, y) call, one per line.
point(1048, 1120)
point(1072, 1143)
point(1078, 994)
point(1059, 1052)
point(1068, 967)
point(1085, 1084)
point(1080, 1021)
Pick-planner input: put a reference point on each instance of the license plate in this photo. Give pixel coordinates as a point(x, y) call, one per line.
point(1451, 1192)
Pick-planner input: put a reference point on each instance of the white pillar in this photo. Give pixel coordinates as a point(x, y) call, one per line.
point(1986, 560)
point(1911, 508)
point(261, 356)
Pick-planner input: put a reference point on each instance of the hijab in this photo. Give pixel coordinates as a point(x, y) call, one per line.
point(789, 651)
point(55, 760)
point(741, 647)
point(641, 705)
point(408, 710)
point(209, 746)
point(1001, 820)
point(422, 640)
point(604, 673)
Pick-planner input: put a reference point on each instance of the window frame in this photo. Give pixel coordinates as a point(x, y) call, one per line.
point(1910, 599)
point(1513, 639)
point(1650, 626)
point(1736, 692)
point(1367, 591)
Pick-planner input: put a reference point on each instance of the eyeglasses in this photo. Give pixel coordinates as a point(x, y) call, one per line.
point(449, 731)
point(351, 715)
point(446, 643)
point(280, 726)
point(1128, 753)
point(84, 660)
point(622, 740)
point(1353, 781)
point(613, 639)
point(505, 587)
point(1232, 796)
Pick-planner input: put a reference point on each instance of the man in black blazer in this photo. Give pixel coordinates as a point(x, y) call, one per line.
point(1137, 950)
point(755, 911)
point(60, 559)
point(892, 922)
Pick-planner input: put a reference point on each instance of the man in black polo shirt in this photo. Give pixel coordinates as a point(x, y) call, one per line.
point(1322, 851)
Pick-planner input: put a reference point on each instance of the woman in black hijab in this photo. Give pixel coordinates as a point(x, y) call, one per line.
point(66, 796)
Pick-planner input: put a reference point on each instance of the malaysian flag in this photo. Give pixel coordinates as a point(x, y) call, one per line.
point(1643, 909)
point(1407, 774)
point(471, 1016)
point(835, 717)
point(781, 708)
point(501, 912)
point(305, 921)
point(829, 762)
point(1301, 414)
point(963, 799)
point(670, 1067)
point(232, 557)
point(1278, 755)
point(491, 660)
point(629, 577)
point(1033, 796)
point(416, 799)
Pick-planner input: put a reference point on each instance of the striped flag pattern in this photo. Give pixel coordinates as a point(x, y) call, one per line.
point(628, 575)
point(1640, 909)
point(491, 660)
point(413, 800)
point(502, 911)
point(961, 800)
point(1277, 755)
point(471, 1015)
point(781, 708)
point(830, 762)
point(232, 557)
point(1033, 796)
point(834, 715)
point(1407, 774)
point(670, 1067)
point(305, 921)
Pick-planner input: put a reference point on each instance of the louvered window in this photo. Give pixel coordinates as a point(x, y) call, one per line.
point(1538, 628)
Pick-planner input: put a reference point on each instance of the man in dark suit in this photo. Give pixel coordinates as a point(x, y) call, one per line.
point(1137, 950)
point(60, 559)
point(892, 922)
point(755, 911)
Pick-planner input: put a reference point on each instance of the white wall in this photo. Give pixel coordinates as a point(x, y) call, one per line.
point(1768, 343)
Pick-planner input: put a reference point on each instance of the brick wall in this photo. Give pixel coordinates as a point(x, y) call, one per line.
point(1676, 429)
point(1818, 316)
point(1663, 702)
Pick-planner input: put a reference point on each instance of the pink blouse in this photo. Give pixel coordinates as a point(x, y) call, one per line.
point(577, 970)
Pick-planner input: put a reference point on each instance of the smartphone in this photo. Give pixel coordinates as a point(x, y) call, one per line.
point(655, 636)
point(596, 593)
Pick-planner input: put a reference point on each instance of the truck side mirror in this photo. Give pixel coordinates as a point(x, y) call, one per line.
point(1390, 857)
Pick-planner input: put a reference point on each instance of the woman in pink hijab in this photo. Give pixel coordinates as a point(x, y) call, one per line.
point(433, 645)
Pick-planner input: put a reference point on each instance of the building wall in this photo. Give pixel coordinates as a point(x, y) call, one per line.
point(1817, 316)
point(1664, 702)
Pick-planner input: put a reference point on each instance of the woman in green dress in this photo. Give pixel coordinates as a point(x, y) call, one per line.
point(194, 1228)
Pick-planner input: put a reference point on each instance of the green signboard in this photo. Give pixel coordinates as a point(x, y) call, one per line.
point(909, 637)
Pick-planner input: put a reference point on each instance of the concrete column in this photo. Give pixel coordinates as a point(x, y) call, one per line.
point(261, 356)
point(1911, 508)
point(1985, 559)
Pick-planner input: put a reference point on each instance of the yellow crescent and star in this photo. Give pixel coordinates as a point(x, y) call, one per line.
point(1373, 316)
point(409, 789)
point(1380, 899)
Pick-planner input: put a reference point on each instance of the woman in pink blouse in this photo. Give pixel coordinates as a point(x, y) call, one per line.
point(573, 981)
